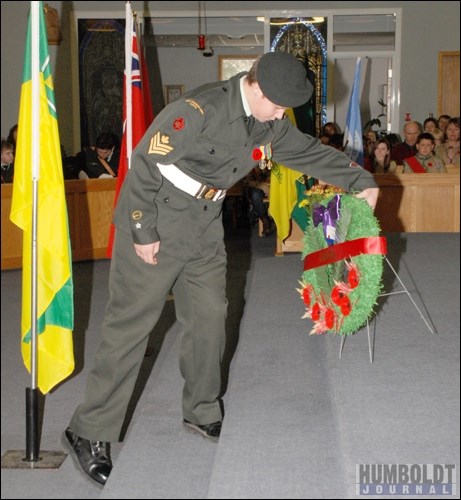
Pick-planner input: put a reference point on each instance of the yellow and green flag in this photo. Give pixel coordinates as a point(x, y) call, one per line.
point(283, 194)
point(54, 299)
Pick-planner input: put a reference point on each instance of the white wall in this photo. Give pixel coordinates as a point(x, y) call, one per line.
point(428, 27)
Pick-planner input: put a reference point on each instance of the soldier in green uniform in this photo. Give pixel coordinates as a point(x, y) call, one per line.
point(170, 236)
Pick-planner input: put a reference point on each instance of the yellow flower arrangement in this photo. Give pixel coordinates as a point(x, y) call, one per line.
point(318, 193)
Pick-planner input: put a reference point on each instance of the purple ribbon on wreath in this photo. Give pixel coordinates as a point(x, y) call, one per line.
point(327, 216)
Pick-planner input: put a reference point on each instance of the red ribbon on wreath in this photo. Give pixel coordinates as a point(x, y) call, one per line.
point(372, 245)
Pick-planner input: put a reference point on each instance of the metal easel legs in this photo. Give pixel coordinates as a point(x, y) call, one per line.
point(405, 290)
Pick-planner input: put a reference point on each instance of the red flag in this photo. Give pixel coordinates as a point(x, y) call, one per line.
point(137, 112)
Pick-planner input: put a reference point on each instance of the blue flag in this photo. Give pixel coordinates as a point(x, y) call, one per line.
point(353, 140)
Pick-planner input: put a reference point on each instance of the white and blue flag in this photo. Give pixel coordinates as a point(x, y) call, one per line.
point(353, 139)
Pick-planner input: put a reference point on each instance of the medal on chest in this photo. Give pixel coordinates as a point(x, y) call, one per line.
point(263, 154)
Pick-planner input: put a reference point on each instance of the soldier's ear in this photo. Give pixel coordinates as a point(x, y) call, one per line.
point(257, 92)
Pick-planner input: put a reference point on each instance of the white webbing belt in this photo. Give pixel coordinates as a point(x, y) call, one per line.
point(190, 186)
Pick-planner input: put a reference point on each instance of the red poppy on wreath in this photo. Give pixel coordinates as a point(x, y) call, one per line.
point(307, 296)
point(329, 318)
point(345, 305)
point(353, 277)
point(430, 164)
point(315, 312)
point(337, 295)
point(257, 154)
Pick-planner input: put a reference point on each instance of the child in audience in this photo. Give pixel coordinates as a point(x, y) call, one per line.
point(424, 160)
point(438, 136)
point(7, 162)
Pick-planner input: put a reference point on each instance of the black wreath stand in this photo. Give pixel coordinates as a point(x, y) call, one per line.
point(405, 290)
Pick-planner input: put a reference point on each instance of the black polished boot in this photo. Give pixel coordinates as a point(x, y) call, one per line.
point(93, 457)
point(210, 431)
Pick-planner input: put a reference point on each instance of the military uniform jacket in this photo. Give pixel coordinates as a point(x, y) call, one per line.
point(204, 134)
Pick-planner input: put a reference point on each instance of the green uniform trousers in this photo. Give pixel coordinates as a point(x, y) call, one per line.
point(138, 292)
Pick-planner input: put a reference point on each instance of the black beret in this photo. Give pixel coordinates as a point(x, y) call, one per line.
point(283, 79)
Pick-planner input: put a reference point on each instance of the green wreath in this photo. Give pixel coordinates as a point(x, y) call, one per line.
point(340, 296)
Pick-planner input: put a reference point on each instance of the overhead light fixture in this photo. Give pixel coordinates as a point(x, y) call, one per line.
point(203, 37)
point(283, 22)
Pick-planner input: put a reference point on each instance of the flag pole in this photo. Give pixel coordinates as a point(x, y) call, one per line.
point(32, 441)
point(128, 82)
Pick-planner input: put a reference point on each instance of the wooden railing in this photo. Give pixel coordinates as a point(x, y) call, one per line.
point(89, 204)
point(407, 203)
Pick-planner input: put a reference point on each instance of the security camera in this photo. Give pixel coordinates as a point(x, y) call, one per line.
point(208, 52)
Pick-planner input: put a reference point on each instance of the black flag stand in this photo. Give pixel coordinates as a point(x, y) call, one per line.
point(32, 457)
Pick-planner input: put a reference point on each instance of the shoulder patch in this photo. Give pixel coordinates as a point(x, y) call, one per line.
point(159, 144)
point(179, 123)
point(195, 105)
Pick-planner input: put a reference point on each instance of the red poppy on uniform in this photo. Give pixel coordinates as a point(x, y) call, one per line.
point(257, 154)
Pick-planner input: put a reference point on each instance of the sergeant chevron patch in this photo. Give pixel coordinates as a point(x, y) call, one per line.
point(159, 144)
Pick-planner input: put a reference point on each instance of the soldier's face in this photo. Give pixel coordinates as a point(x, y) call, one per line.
point(267, 110)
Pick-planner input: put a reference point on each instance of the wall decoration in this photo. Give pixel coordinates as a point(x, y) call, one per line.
point(231, 65)
point(172, 92)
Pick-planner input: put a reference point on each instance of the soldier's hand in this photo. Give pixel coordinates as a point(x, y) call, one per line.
point(148, 253)
point(370, 195)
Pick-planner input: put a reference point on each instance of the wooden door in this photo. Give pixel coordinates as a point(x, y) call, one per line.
point(448, 85)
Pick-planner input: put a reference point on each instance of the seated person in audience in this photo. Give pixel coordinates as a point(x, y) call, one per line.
point(328, 130)
point(257, 185)
point(13, 136)
point(411, 131)
point(336, 141)
point(442, 122)
point(379, 162)
point(369, 141)
point(448, 151)
point(430, 124)
point(438, 136)
point(424, 160)
point(393, 139)
point(101, 160)
point(7, 162)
